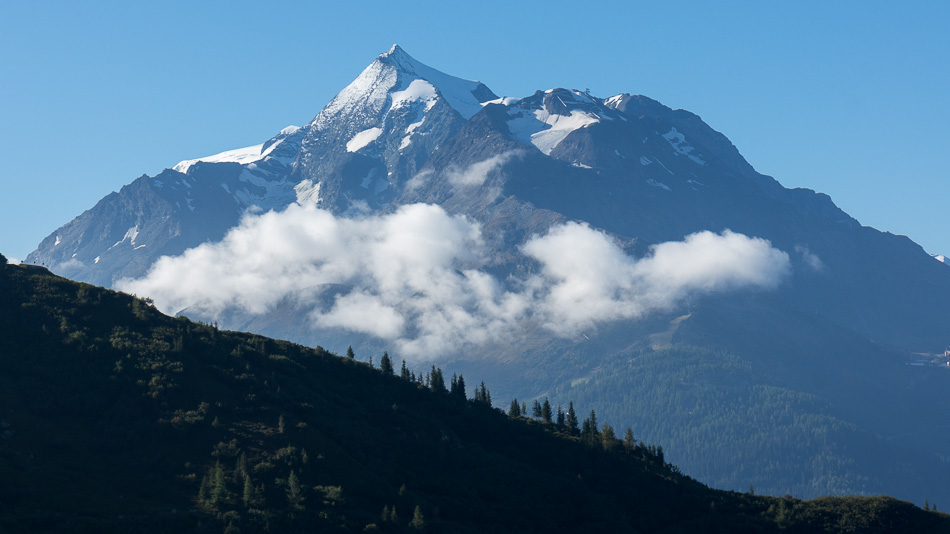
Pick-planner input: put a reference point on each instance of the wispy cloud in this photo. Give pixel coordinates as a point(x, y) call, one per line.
point(810, 259)
point(471, 176)
point(475, 175)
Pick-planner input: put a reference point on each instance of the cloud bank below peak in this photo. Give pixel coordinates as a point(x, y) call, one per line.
point(414, 277)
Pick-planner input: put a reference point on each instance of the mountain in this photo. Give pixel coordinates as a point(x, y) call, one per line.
point(116, 418)
point(561, 245)
point(375, 133)
point(197, 200)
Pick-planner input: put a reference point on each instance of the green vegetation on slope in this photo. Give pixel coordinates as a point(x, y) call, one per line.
point(687, 396)
point(805, 410)
point(118, 418)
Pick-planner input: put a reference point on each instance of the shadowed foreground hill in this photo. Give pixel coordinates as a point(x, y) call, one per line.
point(117, 418)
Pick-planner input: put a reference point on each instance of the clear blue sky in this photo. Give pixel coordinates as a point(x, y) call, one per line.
point(847, 98)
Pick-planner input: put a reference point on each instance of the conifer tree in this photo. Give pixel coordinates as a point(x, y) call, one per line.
point(219, 486)
point(608, 438)
point(240, 468)
point(559, 420)
point(436, 382)
point(628, 439)
point(546, 411)
point(458, 387)
point(418, 521)
point(204, 490)
point(571, 419)
point(386, 364)
point(350, 355)
point(404, 372)
point(259, 495)
point(514, 410)
point(248, 491)
point(294, 491)
point(536, 409)
point(524, 409)
point(590, 433)
point(482, 394)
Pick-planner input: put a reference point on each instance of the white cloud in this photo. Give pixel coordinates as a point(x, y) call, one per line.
point(364, 313)
point(586, 278)
point(708, 262)
point(414, 278)
point(68, 268)
point(475, 174)
point(419, 180)
point(810, 258)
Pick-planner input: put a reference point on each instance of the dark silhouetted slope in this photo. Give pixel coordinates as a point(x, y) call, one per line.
point(118, 418)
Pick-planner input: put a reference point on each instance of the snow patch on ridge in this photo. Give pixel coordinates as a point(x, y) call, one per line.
point(614, 100)
point(243, 156)
point(661, 185)
point(558, 116)
point(504, 101)
point(307, 192)
point(418, 91)
point(546, 130)
point(239, 155)
point(407, 140)
point(678, 141)
point(361, 139)
point(130, 236)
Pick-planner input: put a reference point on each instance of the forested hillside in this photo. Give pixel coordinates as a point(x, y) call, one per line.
point(116, 418)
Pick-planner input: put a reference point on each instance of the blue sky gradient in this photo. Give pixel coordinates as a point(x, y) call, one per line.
point(847, 98)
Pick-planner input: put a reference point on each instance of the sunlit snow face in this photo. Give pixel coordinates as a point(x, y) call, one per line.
point(415, 279)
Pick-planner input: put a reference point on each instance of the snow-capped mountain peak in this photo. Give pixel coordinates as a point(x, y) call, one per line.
point(366, 98)
point(380, 129)
point(465, 96)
